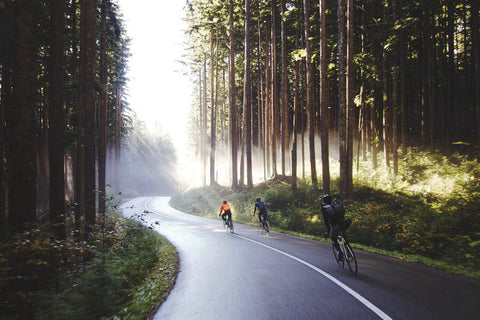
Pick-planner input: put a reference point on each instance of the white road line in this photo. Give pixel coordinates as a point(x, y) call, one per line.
point(342, 285)
point(355, 294)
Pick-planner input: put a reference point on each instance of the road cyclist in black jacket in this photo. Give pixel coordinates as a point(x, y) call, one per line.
point(333, 213)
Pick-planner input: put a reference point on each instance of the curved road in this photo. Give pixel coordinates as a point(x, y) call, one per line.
point(251, 276)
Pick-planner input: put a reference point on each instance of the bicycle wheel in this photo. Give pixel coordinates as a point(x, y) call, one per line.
point(260, 227)
point(266, 227)
point(231, 226)
point(350, 258)
point(340, 262)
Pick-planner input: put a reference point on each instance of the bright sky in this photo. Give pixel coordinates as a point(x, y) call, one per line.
point(159, 92)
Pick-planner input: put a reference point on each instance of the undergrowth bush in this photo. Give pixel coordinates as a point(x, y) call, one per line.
point(45, 278)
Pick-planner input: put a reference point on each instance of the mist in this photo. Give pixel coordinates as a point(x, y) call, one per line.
point(146, 166)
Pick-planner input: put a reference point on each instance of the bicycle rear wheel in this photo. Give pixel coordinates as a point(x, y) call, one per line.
point(340, 262)
point(230, 223)
point(266, 227)
point(351, 259)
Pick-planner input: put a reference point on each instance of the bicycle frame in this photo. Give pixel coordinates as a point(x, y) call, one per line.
point(347, 252)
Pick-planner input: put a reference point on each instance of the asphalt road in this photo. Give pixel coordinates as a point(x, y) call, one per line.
point(246, 275)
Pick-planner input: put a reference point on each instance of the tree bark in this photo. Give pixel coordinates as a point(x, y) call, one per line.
point(310, 96)
point(231, 99)
point(102, 138)
point(213, 118)
point(20, 123)
point(324, 101)
point(247, 98)
point(476, 63)
point(285, 104)
point(274, 90)
point(87, 77)
point(342, 138)
point(57, 120)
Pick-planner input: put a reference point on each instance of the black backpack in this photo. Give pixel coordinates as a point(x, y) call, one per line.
point(335, 212)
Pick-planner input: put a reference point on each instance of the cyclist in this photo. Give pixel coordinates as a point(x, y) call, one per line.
point(226, 210)
point(261, 210)
point(333, 217)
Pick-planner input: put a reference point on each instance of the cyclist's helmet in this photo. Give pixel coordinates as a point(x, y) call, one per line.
point(327, 199)
point(258, 199)
point(224, 201)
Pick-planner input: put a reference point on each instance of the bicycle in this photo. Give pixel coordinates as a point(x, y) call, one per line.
point(347, 256)
point(228, 225)
point(263, 226)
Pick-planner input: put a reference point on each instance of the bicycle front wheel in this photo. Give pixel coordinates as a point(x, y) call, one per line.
point(351, 259)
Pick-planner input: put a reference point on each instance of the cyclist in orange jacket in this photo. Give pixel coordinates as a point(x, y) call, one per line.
point(226, 210)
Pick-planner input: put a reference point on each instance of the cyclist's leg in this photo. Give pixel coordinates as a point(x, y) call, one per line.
point(229, 214)
point(265, 222)
point(224, 214)
point(335, 230)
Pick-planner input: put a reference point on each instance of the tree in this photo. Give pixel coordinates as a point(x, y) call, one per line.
point(102, 112)
point(324, 101)
point(476, 62)
point(231, 99)
point(20, 122)
point(213, 109)
point(284, 91)
point(274, 88)
point(87, 100)
point(56, 120)
point(310, 97)
point(247, 98)
point(342, 130)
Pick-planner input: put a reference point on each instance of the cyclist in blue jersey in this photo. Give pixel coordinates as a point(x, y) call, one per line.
point(261, 210)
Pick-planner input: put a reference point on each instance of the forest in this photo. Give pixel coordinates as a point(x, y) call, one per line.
point(286, 87)
point(67, 151)
point(375, 102)
point(62, 80)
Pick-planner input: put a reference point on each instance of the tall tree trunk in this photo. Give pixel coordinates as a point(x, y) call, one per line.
point(21, 124)
point(247, 98)
point(296, 118)
point(387, 111)
point(476, 62)
point(57, 120)
point(395, 121)
point(342, 139)
point(78, 161)
point(403, 91)
point(324, 101)
point(274, 90)
point(310, 95)
point(102, 106)
point(350, 106)
point(213, 109)
point(203, 125)
point(6, 95)
point(231, 99)
point(451, 78)
point(87, 77)
point(284, 100)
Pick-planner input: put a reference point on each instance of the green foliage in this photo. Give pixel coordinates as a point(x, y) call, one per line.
point(46, 278)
